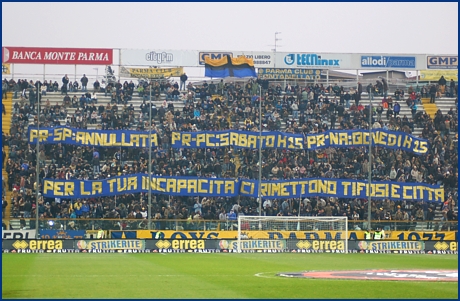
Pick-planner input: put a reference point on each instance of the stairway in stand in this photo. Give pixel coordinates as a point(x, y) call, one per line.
point(430, 108)
point(6, 126)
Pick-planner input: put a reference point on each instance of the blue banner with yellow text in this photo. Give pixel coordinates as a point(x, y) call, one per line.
point(212, 187)
point(112, 138)
point(331, 138)
point(124, 234)
point(341, 188)
point(233, 138)
point(239, 139)
point(62, 234)
point(356, 138)
point(180, 186)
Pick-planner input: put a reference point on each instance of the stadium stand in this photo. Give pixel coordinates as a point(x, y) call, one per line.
point(217, 106)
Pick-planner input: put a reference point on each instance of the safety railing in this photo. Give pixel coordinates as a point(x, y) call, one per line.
point(221, 225)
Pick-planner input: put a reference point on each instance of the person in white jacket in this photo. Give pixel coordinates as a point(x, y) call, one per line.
point(295, 110)
point(94, 97)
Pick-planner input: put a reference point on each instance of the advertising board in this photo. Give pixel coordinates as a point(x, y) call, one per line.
point(441, 62)
point(281, 234)
point(441, 247)
point(388, 62)
point(435, 75)
point(312, 60)
point(318, 245)
point(57, 56)
point(173, 245)
point(261, 59)
point(158, 57)
point(111, 244)
point(154, 73)
point(214, 55)
point(392, 246)
point(28, 245)
point(253, 244)
point(278, 73)
point(228, 246)
point(18, 234)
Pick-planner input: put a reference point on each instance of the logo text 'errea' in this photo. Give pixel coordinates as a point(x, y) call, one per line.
point(159, 57)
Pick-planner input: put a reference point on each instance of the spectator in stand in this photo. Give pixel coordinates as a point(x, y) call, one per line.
point(385, 88)
point(378, 87)
point(396, 109)
point(359, 91)
point(389, 101)
point(442, 84)
point(433, 91)
point(183, 81)
point(96, 161)
point(74, 87)
point(413, 110)
point(452, 91)
point(175, 94)
point(68, 161)
point(93, 98)
point(65, 82)
point(370, 91)
point(4, 88)
point(43, 89)
point(84, 83)
point(54, 86)
point(424, 92)
point(347, 98)
point(96, 86)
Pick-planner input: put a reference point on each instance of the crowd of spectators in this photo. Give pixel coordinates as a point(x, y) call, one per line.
point(218, 106)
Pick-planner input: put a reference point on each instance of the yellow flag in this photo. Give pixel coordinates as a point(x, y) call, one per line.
point(6, 68)
point(435, 75)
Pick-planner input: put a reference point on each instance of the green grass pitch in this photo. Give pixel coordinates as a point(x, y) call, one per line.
point(219, 276)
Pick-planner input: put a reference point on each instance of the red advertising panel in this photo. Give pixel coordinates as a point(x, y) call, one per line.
point(57, 56)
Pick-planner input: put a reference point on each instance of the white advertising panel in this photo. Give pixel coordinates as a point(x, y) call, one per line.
point(313, 60)
point(18, 234)
point(261, 59)
point(291, 60)
point(159, 57)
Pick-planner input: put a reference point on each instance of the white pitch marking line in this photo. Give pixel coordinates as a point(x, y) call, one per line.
point(271, 276)
point(136, 275)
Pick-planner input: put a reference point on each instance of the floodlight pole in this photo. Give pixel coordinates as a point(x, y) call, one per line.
point(300, 201)
point(369, 213)
point(260, 157)
point(37, 170)
point(149, 209)
point(298, 213)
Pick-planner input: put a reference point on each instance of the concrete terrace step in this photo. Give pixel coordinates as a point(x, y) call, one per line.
point(137, 101)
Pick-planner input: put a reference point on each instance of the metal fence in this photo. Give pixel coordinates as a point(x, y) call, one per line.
point(215, 225)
